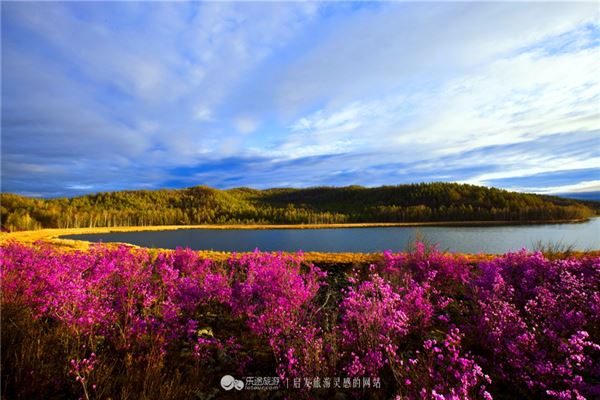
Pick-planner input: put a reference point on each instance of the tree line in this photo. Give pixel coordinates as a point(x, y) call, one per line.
point(428, 202)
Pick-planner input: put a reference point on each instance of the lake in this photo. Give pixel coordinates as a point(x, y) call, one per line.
point(484, 239)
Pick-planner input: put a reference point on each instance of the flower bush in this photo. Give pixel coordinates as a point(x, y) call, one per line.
point(115, 322)
point(535, 323)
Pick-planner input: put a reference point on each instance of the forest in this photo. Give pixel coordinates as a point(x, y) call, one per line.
point(424, 202)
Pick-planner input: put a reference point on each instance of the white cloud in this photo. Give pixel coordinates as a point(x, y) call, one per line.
point(128, 93)
point(343, 120)
point(80, 187)
point(580, 187)
point(517, 97)
point(535, 165)
point(408, 45)
point(245, 124)
point(203, 113)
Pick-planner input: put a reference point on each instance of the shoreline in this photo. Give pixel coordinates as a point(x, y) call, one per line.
point(55, 236)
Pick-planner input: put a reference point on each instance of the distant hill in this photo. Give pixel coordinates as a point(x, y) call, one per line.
point(423, 202)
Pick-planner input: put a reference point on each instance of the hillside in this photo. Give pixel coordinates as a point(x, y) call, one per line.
point(204, 205)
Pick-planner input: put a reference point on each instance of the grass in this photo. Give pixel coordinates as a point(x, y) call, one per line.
point(555, 250)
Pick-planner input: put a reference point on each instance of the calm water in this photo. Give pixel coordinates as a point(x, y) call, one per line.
point(492, 239)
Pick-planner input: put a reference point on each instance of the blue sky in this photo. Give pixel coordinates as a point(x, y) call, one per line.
point(110, 96)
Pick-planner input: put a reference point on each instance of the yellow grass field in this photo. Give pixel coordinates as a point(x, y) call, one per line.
point(53, 236)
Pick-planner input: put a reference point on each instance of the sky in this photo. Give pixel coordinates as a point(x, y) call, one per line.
point(143, 95)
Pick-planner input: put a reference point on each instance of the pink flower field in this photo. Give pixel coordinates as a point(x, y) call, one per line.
point(125, 323)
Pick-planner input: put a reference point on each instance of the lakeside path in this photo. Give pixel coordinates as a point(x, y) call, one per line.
point(54, 236)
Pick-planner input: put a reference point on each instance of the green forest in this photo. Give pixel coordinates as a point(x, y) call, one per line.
point(425, 202)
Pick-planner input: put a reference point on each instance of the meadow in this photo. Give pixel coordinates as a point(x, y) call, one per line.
point(129, 323)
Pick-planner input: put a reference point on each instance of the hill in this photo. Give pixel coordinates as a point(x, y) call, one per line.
point(423, 202)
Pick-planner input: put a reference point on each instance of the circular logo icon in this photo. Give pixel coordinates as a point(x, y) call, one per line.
point(228, 382)
point(239, 385)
